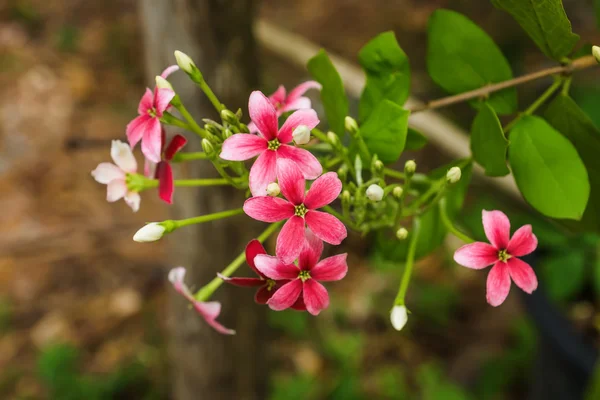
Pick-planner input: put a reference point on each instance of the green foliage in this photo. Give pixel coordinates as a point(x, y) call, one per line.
point(385, 131)
point(332, 94)
point(298, 387)
point(435, 386)
point(545, 22)
point(563, 273)
point(488, 142)
point(415, 140)
point(547, 169)
point(292, 322)
point(68, 38)
point(462, 57)
point(435, 302)
point(391, 383)
point(388, 73)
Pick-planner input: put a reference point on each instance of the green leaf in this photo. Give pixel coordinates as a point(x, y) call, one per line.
point(462, 57)
point(545, 22)
point(388, 73)
point(384, 132)
point(488, 143)
point(333, 95)
point(570, 120)
point(547, 169)
point(415, 140)
point(563, 274)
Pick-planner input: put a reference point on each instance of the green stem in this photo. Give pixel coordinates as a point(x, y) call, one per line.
point(320, 135)
point(211, 96)
point(410, 261)
point(180, 157)
point(332, 163)
point(449, 225)
point(190, 120)
point(169, 119)
point(536, 104)
point(152, 183)
point(342, 218)
point(206, 218)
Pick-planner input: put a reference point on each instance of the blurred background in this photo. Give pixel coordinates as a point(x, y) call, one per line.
point(86, 313)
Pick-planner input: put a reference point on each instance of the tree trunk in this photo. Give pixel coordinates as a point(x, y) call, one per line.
point(217, 35)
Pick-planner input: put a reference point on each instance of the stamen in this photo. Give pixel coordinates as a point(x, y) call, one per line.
point(300, 210)
point(273, 144)
point(304, 275)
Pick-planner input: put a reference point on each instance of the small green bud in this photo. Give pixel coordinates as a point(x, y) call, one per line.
point(376, 165)
point(596, 53)
point(208, 148)
point(410, 167)
point(346, 197)
point(213, 130)
point(351, 125)
point(343, 172)
point(453, 175)
point(227, 134)
point(402, 233)
point(334, 140)
point(397, 192)
point(229, 117)
point(239, 114)
point(244, 128)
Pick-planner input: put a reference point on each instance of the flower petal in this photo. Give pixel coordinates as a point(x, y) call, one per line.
point(263, 172)
point(304, 159)
point(176, 277)
point(497, 228)
point(135, 129)
point(326, 227)
point(253, 249)
point(242, 146)
point(122, 156)
point(315, 296)
point(311, 252)
point(290, 240)
point(149, 169)
point(151, 141)
point(176, 144)
point(298, 104)
point(291, 181)
point(242, 282)
point(323, 191)
point(302, 88)
point(522, 242)
point(263, 294)
point(263, 114)
point(498, 284)
point(146, 103)
point(115, 190)
point(169, 70)
point(278, 97)
point(106, 172)
point(164, 174)
point(162, 98)
point(274, 268)
point(299, 304)
point(133, 200)
point(331, 268)
point(207, 311)
point(476, 255)
point(522, 274)
point(301, 117)
point(268, 209)
point(286, 295)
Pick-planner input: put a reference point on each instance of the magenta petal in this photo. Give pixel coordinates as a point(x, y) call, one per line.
point(315, 296)
point(164, 173)
point(253, 249)
point(274, 268)
point(263, 114)
point(162, 98)
point(522, 274)
point(311, 252)
point(291, 181)
point(476, 255)
point(302, 88)
point(331, 268)
point(169, 70)
point(268, 209)
point(286, 295)
point(151, 142)
point(299, 304)
point(210, 311)
point(135, 129)
point(146, 103)
point(498, 284)
point(305, 117)
point(298, 104)
point(242, 282)
point(242, 146)
point(497, 228)
point(323, 191)
point(278, 97)
point(263, 294)
point(290, 240)
point(176, 144)
point(263, 172)
point(326, 227)
point(522, 242)
point(308, 164)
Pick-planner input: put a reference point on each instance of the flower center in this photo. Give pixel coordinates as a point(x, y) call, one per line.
point(273, 144)
point(303, 275)
point(503, 255)
point(300, 210)
point(270, 284)
point(152, 112)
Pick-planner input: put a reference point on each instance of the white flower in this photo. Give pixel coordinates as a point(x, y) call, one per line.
point(162, 83)
point(375, 193)
point(301, 134)
point(596, 53)
point(398, 316)
point(184, 62)
point(453, 175)
point(151, 232)
point(273, 189)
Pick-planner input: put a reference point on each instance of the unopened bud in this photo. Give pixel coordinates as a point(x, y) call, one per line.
point(162, 83)
point(375, 193)
point(213, 130)
point(377, 166)
point(453, 175)
point(398, 317)
point(397, 192)
point(273, 189)
point(596, 53)
point(239, 114)
point(333, 139)
point(185, 62)
point(229, 117)
point(351, 125)
point(207, 147)
point(346, 197)
point(149, 233)
point(410, 167)
point(402, 234)
point(301, 134)
point(343, 172)
point(227, 133)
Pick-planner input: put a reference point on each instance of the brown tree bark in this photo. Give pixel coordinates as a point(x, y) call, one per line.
point(217, 35)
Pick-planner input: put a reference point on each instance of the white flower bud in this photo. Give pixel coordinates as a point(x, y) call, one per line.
point(410, 167)
point(398, 316)
point(162, 83)
point(185, 62)
point(273, 189)
point(375, 193)
point(151, 232)
point(398, 191)
point(350, 125)
point(301, 134)
point(453, 175)
point(596, 53)
point(402, 234)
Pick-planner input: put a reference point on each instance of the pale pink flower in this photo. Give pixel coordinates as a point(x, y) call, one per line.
point(502, 253)
point(209, 310)
point(271, 144)
point(114, 175)
point(299, 209)
point(303, 278)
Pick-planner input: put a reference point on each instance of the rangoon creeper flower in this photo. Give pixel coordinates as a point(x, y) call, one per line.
point(151, 232)
point(375, 192)
point(398, 317)
point(271, 144)
point(299, 209)
point(209, 310)
point(303, 278)
point(164, 172)
point(502, 252)
point(114, 175)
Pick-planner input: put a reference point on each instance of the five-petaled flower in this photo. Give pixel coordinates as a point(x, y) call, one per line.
point(503, 252)
point(208, 310)
point(303, 278)
point(298, 209)
point(164, 172)
point(271, 144)
point(146, 127)
point(114, 176)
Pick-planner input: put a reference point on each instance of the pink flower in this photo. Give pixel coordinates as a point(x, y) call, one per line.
point(304, 278)
point(298, 209)
point(114, 175)
point(502, 252)
point(164, 172)
point(271, 144)
point(208, 310)
point(147, 127)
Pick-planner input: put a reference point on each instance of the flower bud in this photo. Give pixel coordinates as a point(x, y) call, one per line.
point(162, 83)
point(333, 139)
point(346, 197)
point(397, 192)
point(343, 172)
point(273, 189)
point(185, 62)
point(151, 232)
point(402, 233)
point(377, 166)
point(229, 117)
point(226, 134)
point(301, 134)
point(207, 147)
point(375, 193)
point(398, 317)
point(453, 175)
point(213, 130)
point(351, 125)
point(410, 167)
point(596, 53)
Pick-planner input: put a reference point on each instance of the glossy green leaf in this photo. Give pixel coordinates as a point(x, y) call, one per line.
point(415, 140)
point(388, 73)
point(547, 169)
point(462, 57)
point(385, 131)
point(333, 95)
point(488, 142)
point(545, 22)
point(563, 274)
